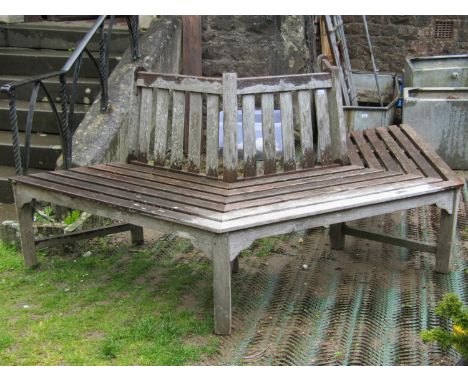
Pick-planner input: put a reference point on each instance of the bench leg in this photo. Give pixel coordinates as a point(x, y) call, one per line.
point(447, 237)
point(235, 265)
point(337, 236)
point(222, 285)
point(136, 233)
point(25, 220)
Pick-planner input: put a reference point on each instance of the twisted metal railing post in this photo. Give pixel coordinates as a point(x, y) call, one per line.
point(66, 151)
point(76, 73)
point(104, 49)
point(133, 22)
point(14, 130)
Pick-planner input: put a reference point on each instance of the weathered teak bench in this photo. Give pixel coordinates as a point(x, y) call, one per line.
point(224, 202)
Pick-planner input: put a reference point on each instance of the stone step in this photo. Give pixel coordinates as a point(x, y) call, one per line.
point(60, 35)
point(6, 192)
point(44, 120)
point(30, 62)
point(88, 89)
point(44, 152)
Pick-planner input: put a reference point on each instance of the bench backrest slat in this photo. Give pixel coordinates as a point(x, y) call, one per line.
point(285, 122)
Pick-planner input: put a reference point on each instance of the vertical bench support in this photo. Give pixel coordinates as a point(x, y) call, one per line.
point(24, 212)
point(337, 236)
point(222, 284)
point(447, 236)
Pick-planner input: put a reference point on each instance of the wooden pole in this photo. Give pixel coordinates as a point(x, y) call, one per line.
point(325, 44)
point(191, 59)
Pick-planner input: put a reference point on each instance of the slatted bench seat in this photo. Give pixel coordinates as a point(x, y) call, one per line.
point(223, 198)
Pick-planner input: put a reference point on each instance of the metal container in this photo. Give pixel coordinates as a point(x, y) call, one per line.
point(369, 113)
point(437, 71)
point(440, 116)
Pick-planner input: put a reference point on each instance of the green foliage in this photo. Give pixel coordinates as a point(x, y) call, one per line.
point(46, 214)
point(72, 217)
point(451, 307)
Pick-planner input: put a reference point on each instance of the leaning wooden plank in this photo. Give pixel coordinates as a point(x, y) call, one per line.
point(381, 150)
point(268, 131)
point(421, 162)
point(353, 153)
point(287, 130)
point(324, 150)
point(24, 213)
point(338, 130)
point(178, 115)
point(407, 165)
point(307, 135)
point(255, 85)
point(365, 150)
point(230, 159)
point(431, 155)
point(180, 82)
point(248, 132)
point(144, 133)
point(83, 235)
point(160, 132)
point(195, 129)
point(391, 239)
point(212, 135)
point(161, 199)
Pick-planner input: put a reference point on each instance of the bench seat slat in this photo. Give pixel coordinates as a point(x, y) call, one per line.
point(381, 150)
point(365, 150)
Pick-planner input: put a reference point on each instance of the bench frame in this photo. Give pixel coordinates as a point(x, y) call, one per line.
point(222, 246)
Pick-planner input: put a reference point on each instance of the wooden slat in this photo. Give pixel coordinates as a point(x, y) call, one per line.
point(431, 155)
point(144, 132)
point(255, 85)
point(268, 131)
point(180, 82)
point(248, 133)
point(195, 129)
point(136, 198)
point(324, 150)
point(413, 152)
point(381, 150)
point(129, 181)
point(370, 180)
point(353, 155)
point(407, 165)
point(307, 135)
point(365, 149)
point(212, 135)
point(320, 183)
point(160, 132)
point(178, 110)
point(287, 131)
point(230, 159)
point(338, 131)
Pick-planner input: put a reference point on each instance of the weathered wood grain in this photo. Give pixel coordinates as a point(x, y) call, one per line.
point(307, 134)
point(248, 133)
point(144, 132)
point(178, 113)
point(287, 131)
point(353, 153)
point(365, 149)
point(230, 159)
point(195, 130)
point(324, 150)
point(212, 135)
point(268, 133)
point(160, 132)
point(180, 83)
point(381, 150)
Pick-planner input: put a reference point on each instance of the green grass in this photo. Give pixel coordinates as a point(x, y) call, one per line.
point(121, 306)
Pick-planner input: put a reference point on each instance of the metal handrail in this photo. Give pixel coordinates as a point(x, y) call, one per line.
point(65, 120)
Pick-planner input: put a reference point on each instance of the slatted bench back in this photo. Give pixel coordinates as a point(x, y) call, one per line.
point(311, 102)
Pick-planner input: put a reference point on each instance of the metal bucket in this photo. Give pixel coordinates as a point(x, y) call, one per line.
point(440, 116)
point(437, 71)
point(369, 113)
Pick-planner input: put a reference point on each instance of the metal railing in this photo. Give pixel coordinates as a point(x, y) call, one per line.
point(65, 119)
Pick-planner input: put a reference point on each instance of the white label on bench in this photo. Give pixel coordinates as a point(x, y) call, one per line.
point(321, 92)
point(364, 115)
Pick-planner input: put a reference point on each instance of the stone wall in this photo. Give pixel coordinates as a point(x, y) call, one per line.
point(102, 137)
point(395, 37)
point(269, 45)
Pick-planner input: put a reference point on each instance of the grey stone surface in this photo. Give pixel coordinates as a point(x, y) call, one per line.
point(102, 137)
